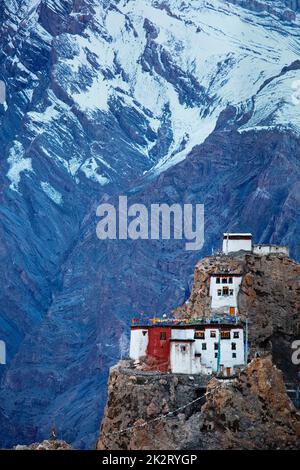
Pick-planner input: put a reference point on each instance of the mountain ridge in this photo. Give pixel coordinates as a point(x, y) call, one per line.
point(132, 98)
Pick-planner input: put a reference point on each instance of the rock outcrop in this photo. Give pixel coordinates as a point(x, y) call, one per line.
point(48, 444)
point(136, 399)
point(270, 299)
point(251, 412)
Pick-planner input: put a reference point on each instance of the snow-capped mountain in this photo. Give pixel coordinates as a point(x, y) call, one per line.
point(102, 97)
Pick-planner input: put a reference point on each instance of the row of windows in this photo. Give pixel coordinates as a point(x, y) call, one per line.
point(225, 291)
point(233, 355)
point(213, 334)
point(224, 280)
point(216, 346)
point(183, 349)
point(201, 335)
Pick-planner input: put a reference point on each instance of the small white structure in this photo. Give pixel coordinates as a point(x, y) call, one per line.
point(223, 290)
point(2, 353)
point(268, 249)
point(138, 343)
point(233, 242)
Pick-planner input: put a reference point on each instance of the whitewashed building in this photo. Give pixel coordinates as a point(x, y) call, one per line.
point(138, 343)
point(190, 349)
point(213, 348)
point(223, 290)
point(233, 242)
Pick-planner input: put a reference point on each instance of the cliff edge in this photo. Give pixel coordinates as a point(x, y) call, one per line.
point(164, 412)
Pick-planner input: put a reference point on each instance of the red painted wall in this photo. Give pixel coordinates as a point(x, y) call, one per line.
point(158, 350)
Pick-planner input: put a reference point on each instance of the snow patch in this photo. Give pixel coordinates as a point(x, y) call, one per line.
point(96, 97)
point(90, 169)
point(275, 106)
point(52, 193)
point(17, 164)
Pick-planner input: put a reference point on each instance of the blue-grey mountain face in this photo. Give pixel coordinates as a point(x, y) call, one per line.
point(168, 101)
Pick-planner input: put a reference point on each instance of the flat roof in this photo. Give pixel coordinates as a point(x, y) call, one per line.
point(237, 233)
point(237, 236)
point(227, 274)
point(199, 326)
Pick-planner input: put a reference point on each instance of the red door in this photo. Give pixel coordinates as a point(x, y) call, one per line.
point(158, 350)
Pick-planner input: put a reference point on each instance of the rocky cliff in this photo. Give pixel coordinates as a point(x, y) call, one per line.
point(253, 411)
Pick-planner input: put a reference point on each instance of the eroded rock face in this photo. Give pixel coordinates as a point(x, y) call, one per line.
point(136, 398)
point(251, 412)
point(270, 298)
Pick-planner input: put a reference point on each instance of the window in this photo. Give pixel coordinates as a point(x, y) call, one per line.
point(204, 346)
point(216, 346)
point(233, 346)
point(231, 292)
point(236, 334)
point(224, 280)
point(163, 335)
point(225, 291)
point(216, 355)
point(144, 332)
point(199, 334)
point(230, 280)
point(234, 355)
point(183, 348)
point(225, 334)
point(212, 334)
point(218, 280)
point(219, 292)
